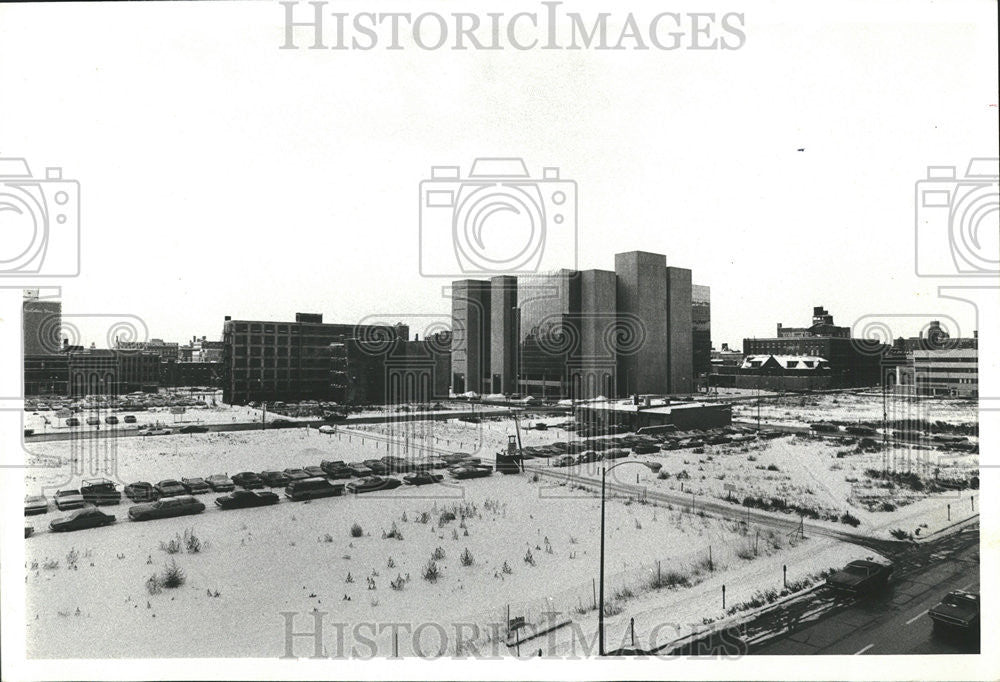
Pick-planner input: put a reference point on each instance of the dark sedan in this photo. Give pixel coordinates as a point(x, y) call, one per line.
point(371, 484)
point(161, 509)
point(196, 486)
point(863, 576)
point(142, 491)
point(170, 488)
point(242, 499)
point(314, 472)
point(89, 517)
point(422, 478)
point(274, 479)
point(220, 483)
point(248, 480)
point(959, 610)
point(193, 428)
point(294, 474)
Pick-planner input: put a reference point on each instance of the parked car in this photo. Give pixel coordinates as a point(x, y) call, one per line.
point(564, 461)
point(35, 504)
point(470, 471)
point(72, 421)
point(93, 421)
point(274, 479)
point(98, 491)
point(196, 486)
point(312, 488)
point(296, 474)
point(645, 449)
point(336, 469)
point(161, 509)
point(242, 499)
point(422, 478)
point(155, 431)
point(88, 517)
point(372, 483)
point(314, 471)
point(959, 610)
point(170, 488)
point(359, 469)
point(863, 576)
point(615, 453)
point(142, 491)
point(220, 483)
point(129, 418)
point(390, 464)
point(587, 457)
point(111, 419)
point(378, 467)
point(248, 480)
point(69, 499)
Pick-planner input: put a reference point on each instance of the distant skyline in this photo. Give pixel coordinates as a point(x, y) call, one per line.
point(238, 179)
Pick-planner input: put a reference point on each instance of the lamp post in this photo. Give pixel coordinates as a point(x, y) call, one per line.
point(652, 466)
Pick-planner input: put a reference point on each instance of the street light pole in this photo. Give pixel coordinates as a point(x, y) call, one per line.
point(600, 613)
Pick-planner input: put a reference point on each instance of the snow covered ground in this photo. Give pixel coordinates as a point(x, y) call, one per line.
point(850, 407)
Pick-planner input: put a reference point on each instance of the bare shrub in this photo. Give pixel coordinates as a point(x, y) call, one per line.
point(356, 530)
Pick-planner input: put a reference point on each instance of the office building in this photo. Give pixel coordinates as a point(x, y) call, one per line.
point(953, 372)
point(701, 331)
point(471, 305)
point(41, 324)
point(292, 361)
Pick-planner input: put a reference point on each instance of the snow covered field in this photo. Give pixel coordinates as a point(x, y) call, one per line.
point(849, 407)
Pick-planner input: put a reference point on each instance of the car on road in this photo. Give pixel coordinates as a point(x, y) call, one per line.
point(142, 491)
point(69, 499)
point(193, 428)
point(274, 479)
point(220, 483)
point(72, 421)
point(170, 488)
point(959, 610)
point(422, 478)
point(181, 505)
point(248, 480)
point(296, 474)
point(111, 419)
point(281, 424)
point(373, 483)
point(35, 504)
point(129, 418)
point(312, 488)
point(196, 486)
point(88, 517)
point(155, 431)
point(98, 491)
point(242, 499)
point(864, 576)
point(326, 428)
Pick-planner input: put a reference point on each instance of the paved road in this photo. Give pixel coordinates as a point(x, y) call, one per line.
point(896, 622)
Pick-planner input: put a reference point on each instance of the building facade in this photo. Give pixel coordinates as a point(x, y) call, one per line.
point(701, 331)
point(953, 372)
point(41, 320)
point(581, 334)
point(292, 361)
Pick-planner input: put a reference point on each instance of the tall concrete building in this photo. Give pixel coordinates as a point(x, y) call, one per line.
point(701, 330)
point(580, 334)
point(680, 352)
point(503, 334)
point(642, 296)
point(41, 323)
point(470, 342)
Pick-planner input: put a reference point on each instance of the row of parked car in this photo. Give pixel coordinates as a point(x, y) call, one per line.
point(171, 497)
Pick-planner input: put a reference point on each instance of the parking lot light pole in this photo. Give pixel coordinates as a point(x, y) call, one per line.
point(604, 477)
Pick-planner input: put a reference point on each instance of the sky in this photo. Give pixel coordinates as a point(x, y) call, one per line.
point(220, 175)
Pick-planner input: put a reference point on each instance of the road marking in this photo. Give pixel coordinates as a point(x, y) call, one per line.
point(919, 615)
point(858, 653)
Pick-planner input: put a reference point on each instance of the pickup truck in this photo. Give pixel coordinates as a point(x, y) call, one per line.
point(958, 610)
point(863, 576)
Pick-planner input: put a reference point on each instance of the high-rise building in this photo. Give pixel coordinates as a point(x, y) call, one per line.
point(578, 334)
point(701, 330)
point(471, 301)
